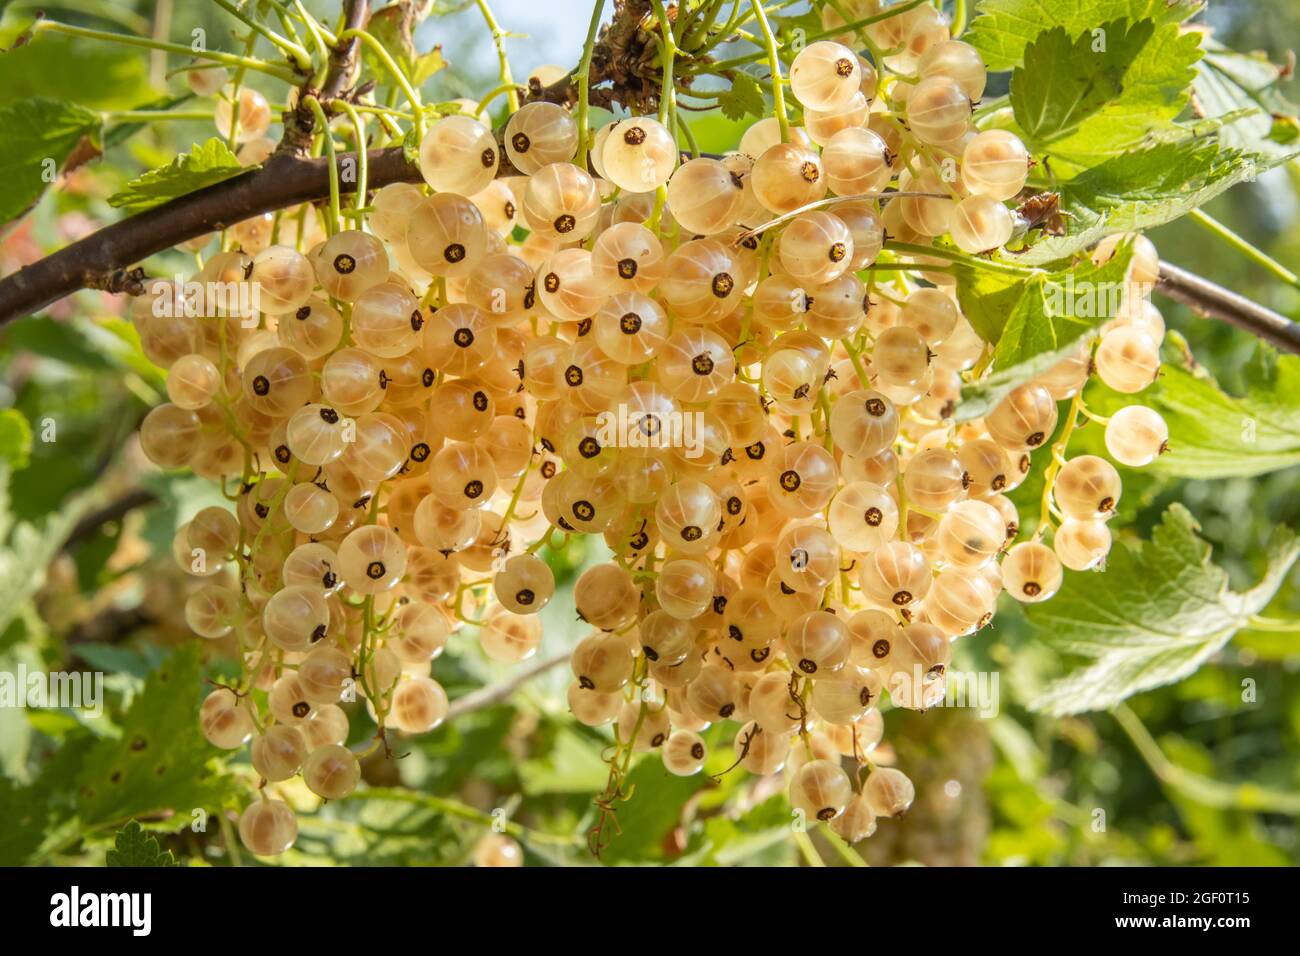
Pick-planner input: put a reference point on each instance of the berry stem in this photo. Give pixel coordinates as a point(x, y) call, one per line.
point(846, 852)
point(393, 69)
point(332, 222)
point(498, 41)
point(813, 37)
point(318, 39)
point(958, 19)
point(953, 256)
point(774, 64)
point(359, 130)
point(667, 53)
point(583, 79)
point(806, 848)
point(855, 356)
point(288, 47)
point(1054, 466)
point(231, 60)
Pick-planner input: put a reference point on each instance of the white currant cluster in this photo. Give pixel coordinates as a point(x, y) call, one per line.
point(416, 407)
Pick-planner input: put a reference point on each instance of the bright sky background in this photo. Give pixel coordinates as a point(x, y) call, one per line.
point(555, 28)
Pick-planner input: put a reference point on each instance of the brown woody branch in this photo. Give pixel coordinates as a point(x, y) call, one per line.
point(107, 259)
point(94, 262)
point(300, 121)
point(494, 694)
point(1205, 298)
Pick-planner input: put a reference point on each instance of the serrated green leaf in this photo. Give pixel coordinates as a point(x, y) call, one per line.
point(38, 137)
point(1158, 611)
point(371, 829)
point(202, 166)
point(160, 763)
point(15, 439)
point(1228, 82)
point(1216, 435)
point(1051, 314)
point(1147, 188)
point(1085, 104)
point(1004, 28)
point(133, 847)
point(743, 98)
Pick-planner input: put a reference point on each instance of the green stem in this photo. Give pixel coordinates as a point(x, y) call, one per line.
point(226, 59)
point(391, 66)
point(667, 55)
point(973, 261)
point(300, 55)
point(102, 9)
point(958, 18)
point(1260, 623)
point(805, 844)
point(113, 117)
point(318, 40)
point(363, 162)
point(813, 37)
point(690, 136)
point(498, 40)
point(1202, 789)
point(1243, 246)
point(845, 851)
point(332, 224)
point(774, 64)
point(583, 78)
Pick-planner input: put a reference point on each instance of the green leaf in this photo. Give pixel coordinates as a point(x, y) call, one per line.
point(160, 762)
point(1086, 104)
point(202, 166)
point(1053, 312)
point(133, 847)
point(1147, 188)
point(26, 549)
point(15, 439)
point(744, 98)
point(24, 828)
point(1004, 28)
point(1216, 435)
point(1156, 614)
point(95, 75)
point(987, 298)
point(427, 64)
point(1228, 82)
point(652, 812)
point(54, 339)
point(38, 138)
